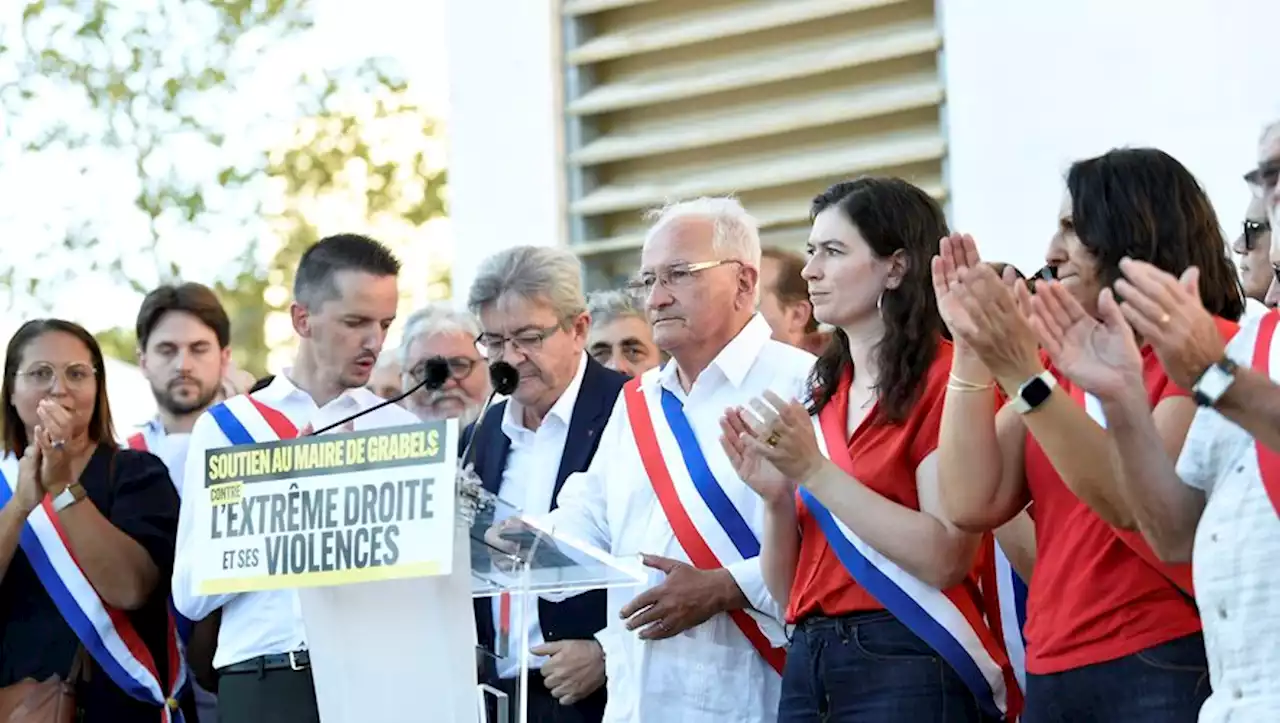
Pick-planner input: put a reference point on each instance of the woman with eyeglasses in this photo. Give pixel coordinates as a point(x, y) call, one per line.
point(1113, 633)
point(86, 537)
point(889, 614)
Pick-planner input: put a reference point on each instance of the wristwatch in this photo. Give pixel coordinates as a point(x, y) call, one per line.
point(1034, 392)
point(1215, 382)
point(70, 495)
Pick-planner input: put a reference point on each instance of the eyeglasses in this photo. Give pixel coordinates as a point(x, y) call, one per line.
point(1252, 230)
point(525, 340)
point(460, 367)
point(41, 376)
point(1263, 178)
point(674, 278)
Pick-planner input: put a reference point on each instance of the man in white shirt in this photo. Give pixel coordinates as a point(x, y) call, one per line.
point(697, 646)
point(184, 338)
point(533, 316)
point(345, 295)
point(1219, 507)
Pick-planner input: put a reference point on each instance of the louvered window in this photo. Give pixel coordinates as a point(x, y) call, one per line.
point(768, 100)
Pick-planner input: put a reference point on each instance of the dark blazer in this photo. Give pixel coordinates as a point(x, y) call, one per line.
point(582, 616)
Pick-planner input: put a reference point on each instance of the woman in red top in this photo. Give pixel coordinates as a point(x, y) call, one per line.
point(861, 560)
point(1112, 632)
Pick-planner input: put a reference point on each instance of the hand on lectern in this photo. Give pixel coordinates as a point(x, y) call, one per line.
point(508, 539)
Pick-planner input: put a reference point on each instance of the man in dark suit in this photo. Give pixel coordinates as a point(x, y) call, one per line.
point(533, 315)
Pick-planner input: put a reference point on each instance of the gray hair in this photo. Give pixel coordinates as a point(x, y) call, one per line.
point(609, 306)
point(435, 319)
point(533, 273)
point(736, 235)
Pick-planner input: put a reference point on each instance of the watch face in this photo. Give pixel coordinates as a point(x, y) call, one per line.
point(1035, 392)
point(1213, 384)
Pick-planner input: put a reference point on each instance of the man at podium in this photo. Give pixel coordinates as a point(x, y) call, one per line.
point(533, 315)
point(368, 640)
point(703, 643)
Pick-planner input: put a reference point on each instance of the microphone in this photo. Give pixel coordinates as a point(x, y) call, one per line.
point(435, 375)
point(504, 379)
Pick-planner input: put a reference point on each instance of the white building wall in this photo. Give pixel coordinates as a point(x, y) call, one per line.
point(506, 185)
point(1030, 85)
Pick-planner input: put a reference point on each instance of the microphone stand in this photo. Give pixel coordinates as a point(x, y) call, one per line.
point(472, 495)
point(437, 373)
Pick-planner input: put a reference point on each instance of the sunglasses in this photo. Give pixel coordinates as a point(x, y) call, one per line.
point(1253, 230)
point(1264, 177)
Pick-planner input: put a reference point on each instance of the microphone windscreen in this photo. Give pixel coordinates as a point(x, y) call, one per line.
point(437, 372)
point(503, 377)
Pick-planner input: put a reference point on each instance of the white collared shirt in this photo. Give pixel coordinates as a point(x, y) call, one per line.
point(1236, 559)
point(528, 483)
point(170, 448)
point(270, 622)
point(710, 673)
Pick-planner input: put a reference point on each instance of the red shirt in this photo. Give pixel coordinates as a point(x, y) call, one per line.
point(885, 458)
point(1093, 598)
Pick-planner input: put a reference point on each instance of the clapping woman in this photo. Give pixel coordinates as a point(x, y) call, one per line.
point(86, 535)
point(882, 591)
point(1113, 634)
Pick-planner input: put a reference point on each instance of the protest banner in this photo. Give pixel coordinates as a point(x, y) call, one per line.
point(327, 510)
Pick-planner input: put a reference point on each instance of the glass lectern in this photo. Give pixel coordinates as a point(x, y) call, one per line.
point(543, 564)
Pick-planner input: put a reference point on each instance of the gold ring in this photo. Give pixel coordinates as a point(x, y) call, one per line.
point(773, 439)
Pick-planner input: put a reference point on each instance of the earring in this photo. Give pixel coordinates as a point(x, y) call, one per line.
point(880, 302)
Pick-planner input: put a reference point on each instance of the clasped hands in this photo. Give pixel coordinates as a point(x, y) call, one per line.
point(772, 446)
point(45, 467)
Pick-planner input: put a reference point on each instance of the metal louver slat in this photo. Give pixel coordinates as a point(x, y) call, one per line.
point(766, 100)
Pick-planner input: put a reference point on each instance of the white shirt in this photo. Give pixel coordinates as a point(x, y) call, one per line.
point(1236, 560)
point(255, 623)
point(170, 448)
point(529, 482)
point(711, 673)
point(1252, 310)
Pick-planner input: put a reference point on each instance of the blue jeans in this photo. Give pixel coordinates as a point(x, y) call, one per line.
point(1163, 684)
point(869, 668)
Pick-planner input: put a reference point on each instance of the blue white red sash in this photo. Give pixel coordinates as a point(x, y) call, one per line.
point(1264, 360)
point(710, 529)
point(138, 443)
point(1011, 612)
point(245, 420)
point(106, 633)
point(950, 621)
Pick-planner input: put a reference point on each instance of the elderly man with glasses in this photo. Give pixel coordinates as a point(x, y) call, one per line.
point(702, 642)
point(439, 331)
point(533, 315)
point(1259, 272)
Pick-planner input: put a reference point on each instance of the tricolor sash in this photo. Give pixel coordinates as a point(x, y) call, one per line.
point(138, 443)
point(705, 521)
point(1264, 353)
point(1178, 574)
point(950, 621)
point(106, 633)
point(1005, 594)
point(245, 420)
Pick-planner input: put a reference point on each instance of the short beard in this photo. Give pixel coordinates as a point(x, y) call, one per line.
point(165, 401)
